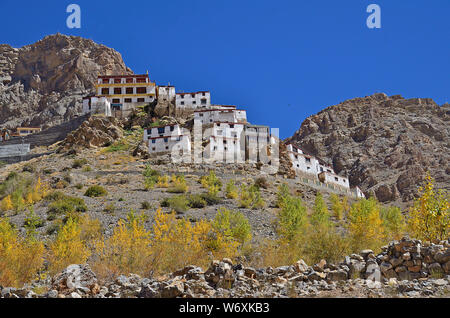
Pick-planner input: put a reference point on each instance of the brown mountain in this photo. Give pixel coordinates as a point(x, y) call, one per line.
point(385, 144)
point(42, 84)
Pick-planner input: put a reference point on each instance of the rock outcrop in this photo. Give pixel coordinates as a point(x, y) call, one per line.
point(93, 133)
point(42, 84)
point(385, 144)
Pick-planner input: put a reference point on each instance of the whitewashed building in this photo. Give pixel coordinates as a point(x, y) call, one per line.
point(97, 105)
point(165, 139)
point(333, 178)
point(226, 142)
point(193, 100)
point(306, 165)
point(222, 114)
point(257, 141)
point(166, 93)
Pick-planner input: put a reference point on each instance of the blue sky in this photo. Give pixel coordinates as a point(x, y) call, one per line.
point(281, 60)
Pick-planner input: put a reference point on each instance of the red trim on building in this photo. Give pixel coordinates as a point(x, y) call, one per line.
point(123, 76)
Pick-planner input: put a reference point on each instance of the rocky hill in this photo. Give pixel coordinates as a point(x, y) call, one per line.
point(42, 84)
point(385, 144)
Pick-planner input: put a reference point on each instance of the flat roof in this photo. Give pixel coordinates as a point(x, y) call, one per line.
point(122, 76)
point(163, 126)
point(194, 93)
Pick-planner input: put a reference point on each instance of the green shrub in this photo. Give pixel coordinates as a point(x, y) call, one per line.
point(233, 224)
point(250, 198)
point(78, 163)
point(29, 168)
point(67, 178)
point(150, 177)
point(211, 199)
point(87, 169)
point(95, 191)
point(145, 205)
point(211, 182)
point(120, 145)
point(110, 208)
point(231, 191)
point(261, 182)
point(79, 186)
point(32, 222)
point(178, 203)
point(196, 201)
point(64, 204)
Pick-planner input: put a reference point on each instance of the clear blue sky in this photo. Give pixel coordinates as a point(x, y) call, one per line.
point(281, 60)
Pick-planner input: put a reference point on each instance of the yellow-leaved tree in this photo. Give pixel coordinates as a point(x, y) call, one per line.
point(429, 218)
point(6, 204)
point(365, 226)
point(127, 251)
point(20, 258)
point(68, 247)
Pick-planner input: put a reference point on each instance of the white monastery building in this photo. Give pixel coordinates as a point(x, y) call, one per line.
point(225, 142)
point(305, 165)
point(97, 105)
point(193, 100)
point(165, 139)
point(165, 93)
point(220, 114)
point(123, 92)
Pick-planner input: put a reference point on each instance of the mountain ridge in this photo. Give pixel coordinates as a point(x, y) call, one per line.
point(385, 144)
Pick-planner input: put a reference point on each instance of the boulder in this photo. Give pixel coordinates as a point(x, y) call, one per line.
point(75, 277)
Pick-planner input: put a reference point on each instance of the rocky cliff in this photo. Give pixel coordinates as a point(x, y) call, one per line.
point(385, 144)
point(42, 84)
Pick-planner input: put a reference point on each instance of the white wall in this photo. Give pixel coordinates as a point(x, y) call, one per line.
point(166, 93)
point(193, 100)
point(301, 162)
point(165, 131)
point(169, 144)
point(98, 105)
point(332, 178)
point(225, 142)
point(220, 115)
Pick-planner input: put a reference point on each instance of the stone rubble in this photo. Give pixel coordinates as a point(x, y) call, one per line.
point(405, 268)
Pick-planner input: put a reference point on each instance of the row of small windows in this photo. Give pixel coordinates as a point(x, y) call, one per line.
point(128, 90)
point(127, 100)
point(166, 140)
point(123, 80)
point(192, 95)
point(203, 102)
